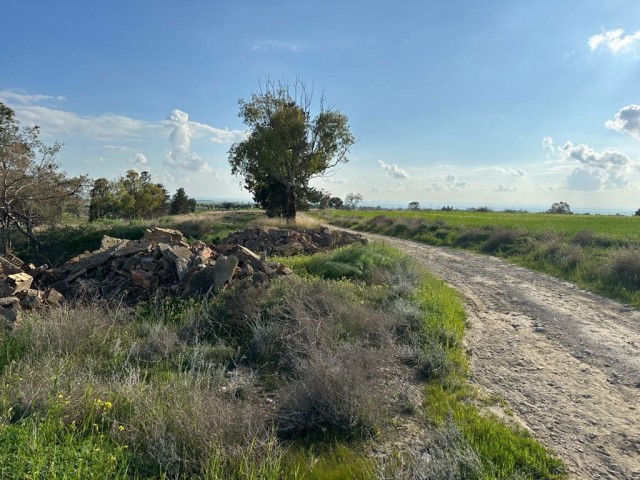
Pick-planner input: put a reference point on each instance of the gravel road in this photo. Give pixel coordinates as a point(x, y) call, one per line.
point(566, 361)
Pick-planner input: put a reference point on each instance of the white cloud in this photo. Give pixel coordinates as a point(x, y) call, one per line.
point(139, 160)
point(393, 169)
point(505, 188)
point(588, 156)
point(8, 96)
point(627, 120)
point(615, 40)
point(592, 170)
point(584, 178)
point(512, 172)
point(269, 45)
point(180, 155)
point(547, 146)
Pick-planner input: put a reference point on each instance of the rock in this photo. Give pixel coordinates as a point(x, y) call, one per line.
point(289, 249)
point(53, 297)
point(211, 278)
point(181, 258)
point(32, 299)
point(15, 283)
point(7, 302)
point(8, 266)
point(163, 235)
point(9, 317)
point(108, 242)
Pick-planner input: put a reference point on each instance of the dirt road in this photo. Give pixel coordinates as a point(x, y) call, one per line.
point(566, 361)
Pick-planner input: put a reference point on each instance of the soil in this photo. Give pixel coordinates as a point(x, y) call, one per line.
point(565, 361)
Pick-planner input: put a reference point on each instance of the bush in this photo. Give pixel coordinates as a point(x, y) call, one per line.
point(624, 268)
point(586, 238)
point(499, 240)
point(333, 396)
point(565, 257)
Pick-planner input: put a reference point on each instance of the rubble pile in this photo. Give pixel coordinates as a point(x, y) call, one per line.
point(161, 262)
point(284, 242)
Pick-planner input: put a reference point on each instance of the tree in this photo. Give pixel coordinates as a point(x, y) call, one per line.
point(181, 203)
point(33, 190)
point(132, 196)
point(560, 207)
point(352, 200)
point(286, 147)
point(336, 202)
point(414, 206)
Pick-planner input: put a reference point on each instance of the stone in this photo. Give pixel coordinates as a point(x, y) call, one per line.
point(108, 242)
point(9, 317)
point(143, 279)
point(53, 297)
point(181, 258)
point(6, 302)
point(32, 299)
point(211, 278)
point(289, 249)
point(131, 247)
point(163, 235)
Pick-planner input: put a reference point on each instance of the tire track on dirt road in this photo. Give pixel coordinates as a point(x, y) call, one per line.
point(566, 361)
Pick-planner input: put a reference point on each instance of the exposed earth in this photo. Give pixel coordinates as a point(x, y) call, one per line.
point(566, 361)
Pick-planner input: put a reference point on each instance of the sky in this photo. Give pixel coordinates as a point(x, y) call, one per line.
point(506, 103)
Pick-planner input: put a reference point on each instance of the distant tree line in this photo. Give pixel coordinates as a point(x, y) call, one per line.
point(135, 196)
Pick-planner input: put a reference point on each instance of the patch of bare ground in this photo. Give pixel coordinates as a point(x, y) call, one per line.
point(566, 361)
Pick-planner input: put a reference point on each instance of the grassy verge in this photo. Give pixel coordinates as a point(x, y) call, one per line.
point(278, 381)
point(600, 253)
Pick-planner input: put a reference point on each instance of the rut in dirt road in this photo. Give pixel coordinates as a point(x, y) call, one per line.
point(566, 361)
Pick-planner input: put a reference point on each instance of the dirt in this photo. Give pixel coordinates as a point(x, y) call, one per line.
point(565, 361)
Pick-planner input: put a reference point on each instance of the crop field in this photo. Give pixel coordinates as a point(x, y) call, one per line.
point(616, 227)
point(598, 252)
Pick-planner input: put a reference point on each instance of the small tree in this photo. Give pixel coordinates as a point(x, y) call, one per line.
point(286, 147)
point(352, 200)
point(33, 190)
point(336, 202)
point(181, 203)
point(414, 206)
point(561, 208)
point(637, 214)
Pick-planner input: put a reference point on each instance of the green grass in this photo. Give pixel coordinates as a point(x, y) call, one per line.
point(150, 393)
point(585, 249)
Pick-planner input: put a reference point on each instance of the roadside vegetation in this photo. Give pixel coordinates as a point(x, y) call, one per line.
point(598, 252)
point(315, 376)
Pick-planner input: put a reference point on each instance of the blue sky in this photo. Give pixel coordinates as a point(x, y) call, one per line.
point(504, 103)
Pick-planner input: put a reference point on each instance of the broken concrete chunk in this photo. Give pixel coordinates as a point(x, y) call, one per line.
point(131, 247)
point(9, 267)
point(143, 279)
point(6, 302)
point(53, 297)
point(163, 235)
point(108, 242)
point(19, 282)
point(181, 258)
point(289, 249)
point(32, 299)
point(211, 278)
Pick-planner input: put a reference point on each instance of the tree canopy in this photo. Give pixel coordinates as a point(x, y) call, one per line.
point(131, 196)
point(33, 190)
point(286, 146)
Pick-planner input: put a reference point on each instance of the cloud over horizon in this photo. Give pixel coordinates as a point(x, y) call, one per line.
point(627, 120)
point(394, 170)
point(615, 40)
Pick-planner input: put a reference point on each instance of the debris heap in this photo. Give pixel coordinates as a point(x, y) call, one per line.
point(161, 262)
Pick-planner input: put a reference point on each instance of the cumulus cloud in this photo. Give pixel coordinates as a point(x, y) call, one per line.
point(627, 120)
point(180, 155)
point(139, 160)
point(505, 188)
point(592, 170)
point(615, 40)
point(548, 147)
point(393, 170)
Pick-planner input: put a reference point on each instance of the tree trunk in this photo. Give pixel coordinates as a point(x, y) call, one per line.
point(290, 210)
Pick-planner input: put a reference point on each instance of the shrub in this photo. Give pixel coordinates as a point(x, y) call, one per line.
point(624, 268)
point(499, 240)
point(565, 257)
point(586, 238)
point(333, 396)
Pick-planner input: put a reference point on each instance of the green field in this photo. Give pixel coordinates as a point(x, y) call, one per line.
point(618, 227)
point(598, 252)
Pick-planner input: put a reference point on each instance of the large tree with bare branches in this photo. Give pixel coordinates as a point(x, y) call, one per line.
point(286, 145)
point(33, 190)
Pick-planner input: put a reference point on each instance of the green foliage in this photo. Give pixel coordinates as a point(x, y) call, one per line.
point(286, 147)
point(132, 196)
point(181, 203)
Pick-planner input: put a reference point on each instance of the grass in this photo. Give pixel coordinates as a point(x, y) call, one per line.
point(598, 252)
point(280, 381)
